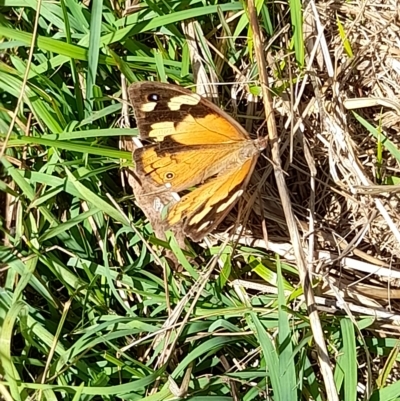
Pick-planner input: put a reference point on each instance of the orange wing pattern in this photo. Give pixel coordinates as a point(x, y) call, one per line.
point(192, 144)
point(182, 167)
point(205, 207)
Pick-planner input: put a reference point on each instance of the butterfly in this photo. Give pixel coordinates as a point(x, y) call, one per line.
point(196, 160)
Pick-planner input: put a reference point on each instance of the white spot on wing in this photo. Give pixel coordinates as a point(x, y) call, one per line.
point(204, 225)
point(161, 130)
point(232, 199)
point(197, 217)
point(147, 107)
point(176, 102)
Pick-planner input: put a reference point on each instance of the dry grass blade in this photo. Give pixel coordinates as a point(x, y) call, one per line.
point(203, 84)
point(25, 80)
point(287, 207)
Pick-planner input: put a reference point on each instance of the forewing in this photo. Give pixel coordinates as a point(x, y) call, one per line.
point(168, 113)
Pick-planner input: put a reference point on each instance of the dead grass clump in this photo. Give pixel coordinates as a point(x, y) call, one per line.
point(355, 216)
point(352, 151)
point(339, 165)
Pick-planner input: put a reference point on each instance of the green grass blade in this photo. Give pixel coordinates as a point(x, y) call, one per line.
point(287, 369)
point(270, 354)
point(345, 40)
point(93, 54)
point(296, 16)
point(349, 360)
point(74, 147)
point(379, 136)
point(6, 334)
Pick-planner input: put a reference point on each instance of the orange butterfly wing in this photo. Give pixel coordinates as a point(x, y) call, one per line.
point(206, 206)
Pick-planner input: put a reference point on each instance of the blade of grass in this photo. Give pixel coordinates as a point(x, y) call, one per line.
point(270, 354)
point(93, 53)
point(386, 142)
point(349, 360)
point(346, 43)
point(7, 330)
point(74, 147)
point(296, 16)
point(157, 22)
point(287, 371)
point(75, 76)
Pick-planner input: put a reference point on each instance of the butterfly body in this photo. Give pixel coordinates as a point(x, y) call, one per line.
point(192, 143)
